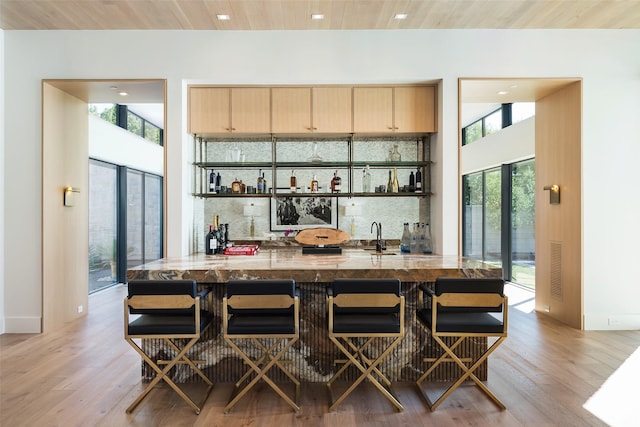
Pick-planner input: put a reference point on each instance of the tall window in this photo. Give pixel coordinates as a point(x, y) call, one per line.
point(523, 205)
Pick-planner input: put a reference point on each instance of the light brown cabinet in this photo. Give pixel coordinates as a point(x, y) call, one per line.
point(311, 110)
point(399, 109)
point(215, 110)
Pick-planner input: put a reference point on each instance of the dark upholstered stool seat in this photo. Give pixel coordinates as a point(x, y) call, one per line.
point(261, 325)
point(366, 323)
point(462, 322)
point(162, 325)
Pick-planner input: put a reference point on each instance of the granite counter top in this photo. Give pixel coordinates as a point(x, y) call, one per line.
point(291, 263)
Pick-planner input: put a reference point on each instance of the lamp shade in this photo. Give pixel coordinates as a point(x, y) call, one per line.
point(352, 210)
point(250, 210)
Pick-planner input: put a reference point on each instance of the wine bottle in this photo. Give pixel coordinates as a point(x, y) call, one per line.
point(260, 183)
point(418, 181)
point(336, 183)
point(292, 182)
point(314, 184)
point(412, 182)
point(209, 239)
point(218, 182)
point(390, 183)
point(212, 182)
point(395, 187)
point(265, 189)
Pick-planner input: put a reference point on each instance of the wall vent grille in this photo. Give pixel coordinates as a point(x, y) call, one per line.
point(556, 270)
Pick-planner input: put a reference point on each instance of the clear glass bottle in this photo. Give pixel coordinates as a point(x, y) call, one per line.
point(405, 241)
point(394, 154)
point(422, 243)
point(366, 180)
point(428, 245)
point(413, 246)
point(395, 187)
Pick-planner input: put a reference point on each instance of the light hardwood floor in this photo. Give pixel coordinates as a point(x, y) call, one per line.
point(86, 375)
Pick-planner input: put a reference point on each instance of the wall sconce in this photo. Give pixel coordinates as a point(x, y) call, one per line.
point(353, 211)
point(69, 196)
point(251, 211)
point(554, 194)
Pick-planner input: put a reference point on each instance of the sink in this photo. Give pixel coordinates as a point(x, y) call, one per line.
point(373, 252)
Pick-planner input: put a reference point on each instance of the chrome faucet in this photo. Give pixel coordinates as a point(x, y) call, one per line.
point(378, 235)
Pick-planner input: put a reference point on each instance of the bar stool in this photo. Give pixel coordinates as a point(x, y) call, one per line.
point(363, 312)
point(264, 313)
point(169, 310)
point(457, 309)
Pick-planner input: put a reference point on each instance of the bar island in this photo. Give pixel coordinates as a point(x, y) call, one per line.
point(313, 355)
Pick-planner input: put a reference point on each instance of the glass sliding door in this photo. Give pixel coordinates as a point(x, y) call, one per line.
point(152, 217)
point(523, 249)
point(472, 244)
point(492, 216)
point(103, 222)
point(135, 218)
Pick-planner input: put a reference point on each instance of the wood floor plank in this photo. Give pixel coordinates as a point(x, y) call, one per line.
point(85, 374)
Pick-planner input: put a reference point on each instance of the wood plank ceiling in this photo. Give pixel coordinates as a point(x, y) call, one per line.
point(296, 14)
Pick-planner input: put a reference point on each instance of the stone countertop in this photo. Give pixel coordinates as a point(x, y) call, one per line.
point(291, 263)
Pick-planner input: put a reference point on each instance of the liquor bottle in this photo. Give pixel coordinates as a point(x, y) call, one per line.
point(418, 181)
point(260, 183)
point(390, 183)
point(292, 182)
point(215, 241)
point(336, 183)
point(226, 233)
point(218, 181)
point(412, 182)
point(265, 189)
point(212, 182)
point(235, 186)
point(314, 184)
point(405, 241)
point(395, 186)
point(209, 239)
point(366, 180)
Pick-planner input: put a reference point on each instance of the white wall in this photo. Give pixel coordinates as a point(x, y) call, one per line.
point(2, 102)
point(115, 145)
point(608, 61)
point(511, 144)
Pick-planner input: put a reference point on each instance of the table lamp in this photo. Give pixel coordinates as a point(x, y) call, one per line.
point(353, 211)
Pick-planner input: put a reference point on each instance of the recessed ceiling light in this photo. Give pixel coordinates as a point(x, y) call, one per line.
point(503, 92)
point(113, 87)
point(400, 16)
point(317, 16)
point(223, 17)
point(123, 93)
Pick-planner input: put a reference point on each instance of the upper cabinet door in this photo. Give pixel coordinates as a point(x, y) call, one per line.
point(209, 110)
point(373, 109)
point(332, 109)
point(291, 110)
point(414, 109)
point(251, 110)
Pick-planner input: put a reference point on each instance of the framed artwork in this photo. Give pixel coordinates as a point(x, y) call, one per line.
point(300, 212)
